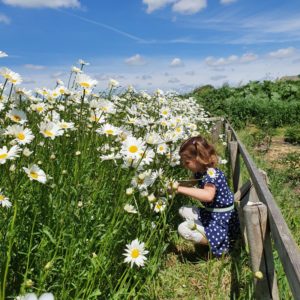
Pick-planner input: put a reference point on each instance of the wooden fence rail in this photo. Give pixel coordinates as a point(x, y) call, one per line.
point(261, 220)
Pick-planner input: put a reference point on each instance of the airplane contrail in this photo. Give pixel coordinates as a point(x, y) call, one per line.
point(126, 34)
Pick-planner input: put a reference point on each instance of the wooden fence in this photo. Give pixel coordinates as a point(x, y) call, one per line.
point(261, 221)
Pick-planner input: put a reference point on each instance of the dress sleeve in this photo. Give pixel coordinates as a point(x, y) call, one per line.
point(211, 176)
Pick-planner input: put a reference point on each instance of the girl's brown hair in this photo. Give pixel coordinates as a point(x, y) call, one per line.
point(198, 148)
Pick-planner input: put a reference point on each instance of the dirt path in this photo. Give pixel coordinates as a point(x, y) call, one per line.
point(280, 148)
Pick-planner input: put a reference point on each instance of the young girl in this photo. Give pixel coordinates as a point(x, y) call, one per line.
point(217, 223)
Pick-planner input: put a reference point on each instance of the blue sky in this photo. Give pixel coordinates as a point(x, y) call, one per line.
point(168, 44)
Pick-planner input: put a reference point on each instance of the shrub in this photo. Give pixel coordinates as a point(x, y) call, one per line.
point(292, 135)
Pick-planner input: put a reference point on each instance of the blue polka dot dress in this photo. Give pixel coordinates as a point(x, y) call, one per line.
point(221, 228)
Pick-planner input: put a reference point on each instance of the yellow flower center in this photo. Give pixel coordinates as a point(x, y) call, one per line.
point(48, 133)
point(1, 197)
point(21, 136)
point(13, 81)
point(109, 131)
point(85, 84)
point(178, 129)
point(164, 112)
point(161, 148)
point(39, 108)
point(104, 108)
point(140, 181)
point(64, 125)
point(16, 118)
point(34, 175)
point(133, 149)
point(135, 253)
point(3, 156)
point(158, 206)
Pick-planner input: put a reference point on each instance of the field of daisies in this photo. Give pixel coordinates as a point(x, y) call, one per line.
point(83, 189)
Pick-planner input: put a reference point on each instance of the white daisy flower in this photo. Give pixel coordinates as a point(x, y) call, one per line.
point(1, 106)
point(39, 107)
point(135, 253)
point(11, 76)
point(33, 296)
point(211, 172)
point(107, 106)
point(86, 81)
point(76, 70)
point(108, 130)
point(165, 112)
point(4, 201)
point(11, 154)
point(162, 148)
point(133, 147)
point(147, 157)
point(82, 62)
point(153, 138)
point(223, 161)
point(160, 206)
point(17, 116)
point(22, 135)
point(65, 125)
point(143, 180)
point(130, 209)
point(50, 130)
point(129, 191)
point(151, 198)
point(113, 83)
point(27, 152)
point(35, 173)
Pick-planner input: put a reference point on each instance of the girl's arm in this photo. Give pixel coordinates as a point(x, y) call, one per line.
point(207, 194)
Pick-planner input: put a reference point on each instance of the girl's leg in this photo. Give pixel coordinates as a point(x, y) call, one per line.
point(192, 233)
point(189, 212)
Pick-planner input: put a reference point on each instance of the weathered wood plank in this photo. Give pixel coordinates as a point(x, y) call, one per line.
point(241, 198)
point(235, 164)
point(261, 255)
point(216, 130)
point(286, 246)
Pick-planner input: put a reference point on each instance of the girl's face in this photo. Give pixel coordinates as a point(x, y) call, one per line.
point(191, 164)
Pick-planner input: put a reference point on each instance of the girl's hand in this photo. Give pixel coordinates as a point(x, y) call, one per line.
point(172, 187)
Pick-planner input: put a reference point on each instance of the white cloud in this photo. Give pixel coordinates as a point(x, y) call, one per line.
point(43, 3)
point(135, 60)
point(4, 19)
point(190, 73)
point(3, 54)
point(282, 53)
point(218, 77)
point(179, 6)
point(34, 67)
point(156, 4)
point(189, 6)
point(215, 62)
point(247, 57)
point(227, 1)
point(145, 77)
point(176, 62)
point(58, 74)
point(173, 80)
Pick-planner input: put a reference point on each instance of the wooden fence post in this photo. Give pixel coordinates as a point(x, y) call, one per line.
point(216, 130)
point(241, 198)
point(235, 164)
point(260, 246)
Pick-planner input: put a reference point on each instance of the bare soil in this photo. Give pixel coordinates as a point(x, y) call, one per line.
point(278, 149)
